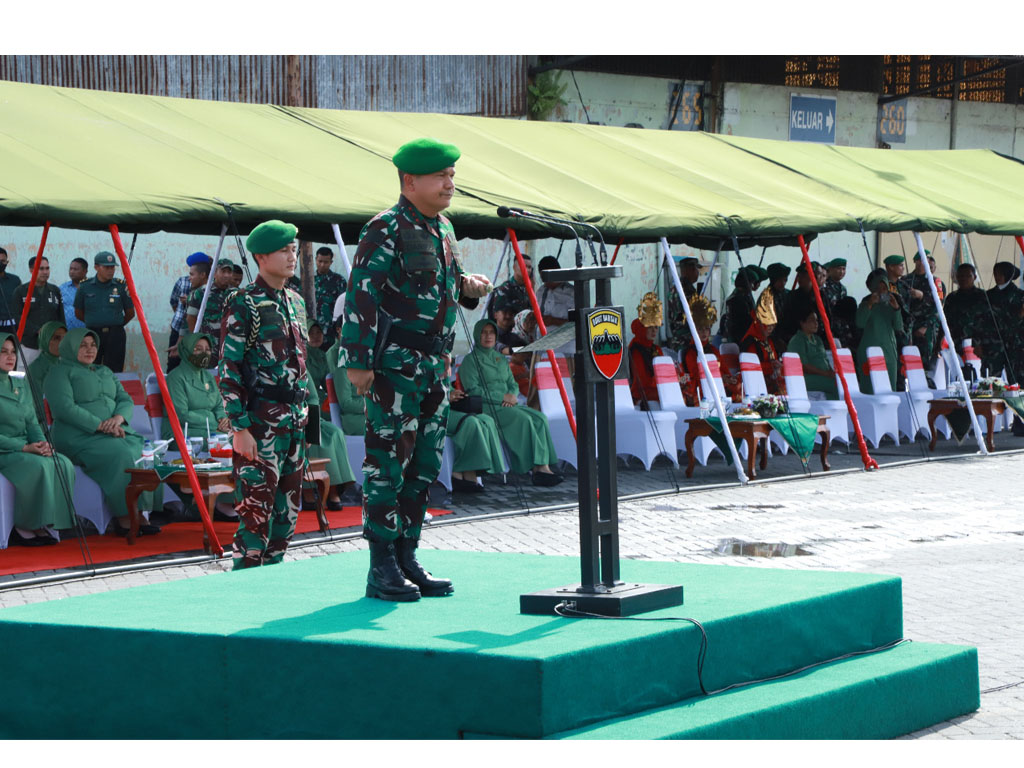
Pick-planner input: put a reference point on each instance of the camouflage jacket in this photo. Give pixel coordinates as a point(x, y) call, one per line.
point(406, 266)
point(967, 315)
point(833, 292)
point(512, 291)
point(1004, 327)
point(922, 311)
point(277, 358)
point(328, 288)
point(214, 308)
point(678, 332)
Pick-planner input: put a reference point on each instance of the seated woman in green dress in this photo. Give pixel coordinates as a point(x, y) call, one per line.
point(43, 481)
point(819, 375)
point(477, 446)
point(524, 431)
point(200, 408)
point(350, 403)
point(91, 414)
point(332, 446)
point(879, 317)
point(50, 337)
point(316, 359)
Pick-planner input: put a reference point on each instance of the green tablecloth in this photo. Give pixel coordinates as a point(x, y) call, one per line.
point(960, 419)
point(797, 429)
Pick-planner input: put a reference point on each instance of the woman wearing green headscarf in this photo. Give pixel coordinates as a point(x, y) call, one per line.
point(477, 446)
point(879, 317)
point(332, 446)
point(43, 481)
point(50, 337)
point(525, 432)
point(350, 403)
point(91, 414)
point(316, 359)
point(193, 389)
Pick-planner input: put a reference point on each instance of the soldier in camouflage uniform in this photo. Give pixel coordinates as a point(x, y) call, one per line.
point(832, 292)
point(1003, 347)
point(397, 337)
point(222, 279)
point(328, 286)
point(678, 332)
point(263, 383)
point(513, 291)
point(966, 310)
point(924, 316)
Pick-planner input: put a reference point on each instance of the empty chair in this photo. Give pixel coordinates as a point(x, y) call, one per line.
point(796, 387)
point(878, 414)
point(89, 501)
point(671, 397)
point(550, 401)
point(754, 386)
point(913, 413)
point(141, 423)
point(644, 434)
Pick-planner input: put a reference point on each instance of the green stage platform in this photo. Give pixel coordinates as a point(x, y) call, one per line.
point(296, 651)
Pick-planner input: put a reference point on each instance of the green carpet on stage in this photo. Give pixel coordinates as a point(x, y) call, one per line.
point(295, 650)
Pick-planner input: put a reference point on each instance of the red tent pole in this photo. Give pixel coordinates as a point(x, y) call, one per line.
point(869, 463)
point(1020, 244)
point(543, 329)
point(619, 245)
point(172, 415)
point(32, 281)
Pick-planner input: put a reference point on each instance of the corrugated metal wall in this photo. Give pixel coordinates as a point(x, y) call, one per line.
point(493, 86)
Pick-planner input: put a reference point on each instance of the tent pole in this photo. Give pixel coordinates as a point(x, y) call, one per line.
point(172, 415)
point(32, 281)
point(209, 278)
point(543, 330)
point(616, 254)
point(869, 463)
point(949, 341)
point(341, 248)
point(719, 406)
point(494, 281)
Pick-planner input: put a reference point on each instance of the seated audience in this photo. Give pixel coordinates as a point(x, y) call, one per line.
point(43, 482)
point(704, 316)
point(758, 340)
point(50, 337)
point(819, 375)
point(477, 445)
point(332, 446)
point(351, 404)
point(316, 359)
point(91, 414)
point(524, 431)
point(643, 350)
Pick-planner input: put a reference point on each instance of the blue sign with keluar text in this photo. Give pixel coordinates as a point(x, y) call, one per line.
point(812, 118)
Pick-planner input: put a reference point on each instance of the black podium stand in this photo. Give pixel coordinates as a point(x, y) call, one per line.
point(600, 359)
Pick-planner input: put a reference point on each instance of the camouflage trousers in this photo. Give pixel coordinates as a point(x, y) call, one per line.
point(406, 425)
point(928, 345)
point(268, 495)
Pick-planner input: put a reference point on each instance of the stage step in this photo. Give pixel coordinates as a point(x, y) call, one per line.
point(881, 695)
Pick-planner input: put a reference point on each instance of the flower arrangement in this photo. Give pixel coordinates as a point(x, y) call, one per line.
point(769, 406)
point(990, 386)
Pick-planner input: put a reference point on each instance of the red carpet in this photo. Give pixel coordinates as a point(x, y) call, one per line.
point(175, 537)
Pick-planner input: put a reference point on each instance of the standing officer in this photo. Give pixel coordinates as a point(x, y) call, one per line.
point(46, 305)
point(328, 286)
point(103, 304)
point(8, 282)
point(263, 382)
point(895, 266)
point(397, 337)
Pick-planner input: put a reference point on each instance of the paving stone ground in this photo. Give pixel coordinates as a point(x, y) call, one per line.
point(952, 530)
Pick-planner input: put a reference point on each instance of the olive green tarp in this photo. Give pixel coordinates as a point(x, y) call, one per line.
point(86, 159)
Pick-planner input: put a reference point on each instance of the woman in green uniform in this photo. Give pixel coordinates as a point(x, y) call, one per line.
point(819, 375)
point(332, 446)
point(50, 337)
point(525, 432)
point(43, 481)
point(316, 359)
point(879, 317)
point(91, 413)
point(350, 403)
point(477, 446)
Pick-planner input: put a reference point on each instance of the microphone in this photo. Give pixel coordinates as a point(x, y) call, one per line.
point(506, 212)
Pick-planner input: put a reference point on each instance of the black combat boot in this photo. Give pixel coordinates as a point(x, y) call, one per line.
point(405, 554)
point(385, 580)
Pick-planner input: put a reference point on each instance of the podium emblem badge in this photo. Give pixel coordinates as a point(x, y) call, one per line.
point(604, 329)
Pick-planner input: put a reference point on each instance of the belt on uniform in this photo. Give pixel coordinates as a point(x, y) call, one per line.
point(431, 345)
point(107, 328)
point(284, 395)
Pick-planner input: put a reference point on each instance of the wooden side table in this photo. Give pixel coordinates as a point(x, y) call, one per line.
point(213, 483)
point(753, 431)
point(989, 407)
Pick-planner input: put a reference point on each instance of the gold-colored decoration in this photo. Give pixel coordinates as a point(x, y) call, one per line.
point(766, 308)
point(703, 311)
point(649, 310)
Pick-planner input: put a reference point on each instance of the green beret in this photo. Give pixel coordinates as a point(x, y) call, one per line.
point(270, 236)
point(894, 259)
point(105, 259)
point(425, 156)
point(228, 263)
point(836, 263)
point(777, 270)
point(917, 256)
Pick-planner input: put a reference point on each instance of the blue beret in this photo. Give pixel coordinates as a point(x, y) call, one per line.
point(270, 236)
point(425, 156)
point(197, 258)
